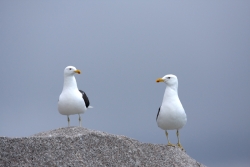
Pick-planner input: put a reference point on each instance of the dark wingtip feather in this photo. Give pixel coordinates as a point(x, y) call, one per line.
point(158, 113)
point(85, 98)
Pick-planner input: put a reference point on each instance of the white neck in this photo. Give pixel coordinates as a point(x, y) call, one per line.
point(170, 93)
point(70, 82)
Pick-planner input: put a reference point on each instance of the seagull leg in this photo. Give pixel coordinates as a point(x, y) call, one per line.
point(68, 121)
point(80, 121)
point(169, 144)
point(179, 144)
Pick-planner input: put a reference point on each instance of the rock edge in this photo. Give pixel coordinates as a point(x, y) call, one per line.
point(77, 146)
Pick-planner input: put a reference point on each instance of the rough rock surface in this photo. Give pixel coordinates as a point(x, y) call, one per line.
point(76, 146)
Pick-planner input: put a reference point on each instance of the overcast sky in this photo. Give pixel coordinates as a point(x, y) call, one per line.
point(122, 47)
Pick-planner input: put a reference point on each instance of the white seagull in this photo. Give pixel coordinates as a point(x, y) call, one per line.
point(171, 114)
point(72, 100)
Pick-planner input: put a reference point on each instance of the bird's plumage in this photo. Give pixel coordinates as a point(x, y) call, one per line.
point(171, 114)
point(72, 100)
point(158, 113)
point(85, 98)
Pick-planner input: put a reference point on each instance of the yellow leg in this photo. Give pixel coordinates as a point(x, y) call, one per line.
point(169, 144)
point(179, 144)
point(68, 121)
point(80, 121)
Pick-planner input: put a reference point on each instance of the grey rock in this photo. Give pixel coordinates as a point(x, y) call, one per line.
point(77, 146)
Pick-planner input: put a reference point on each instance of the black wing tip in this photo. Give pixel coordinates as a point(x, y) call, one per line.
point(85, 98)
point(158, 113)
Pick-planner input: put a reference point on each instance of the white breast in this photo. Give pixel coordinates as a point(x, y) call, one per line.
point(171, 117)
point(172, 114)
point(71, 102)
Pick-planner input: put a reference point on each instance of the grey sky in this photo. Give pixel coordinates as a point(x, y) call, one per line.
point(122, 47)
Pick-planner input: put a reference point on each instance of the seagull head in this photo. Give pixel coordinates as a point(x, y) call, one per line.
point(71, 70)
point(170, 80)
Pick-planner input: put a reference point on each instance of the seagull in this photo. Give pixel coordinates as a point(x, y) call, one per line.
point(72, 100)
point(171, 114)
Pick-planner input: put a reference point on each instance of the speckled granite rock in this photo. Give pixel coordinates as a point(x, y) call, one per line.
point(75, 146)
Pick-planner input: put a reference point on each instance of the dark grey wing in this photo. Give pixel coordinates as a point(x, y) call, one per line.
point(85, 98)
point(158, 113)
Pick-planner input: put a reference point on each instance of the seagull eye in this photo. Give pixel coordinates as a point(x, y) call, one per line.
point(69, 68)
point(168, 77)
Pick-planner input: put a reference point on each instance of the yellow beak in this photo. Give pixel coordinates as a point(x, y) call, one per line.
point(78, 71)
point(160, 80)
